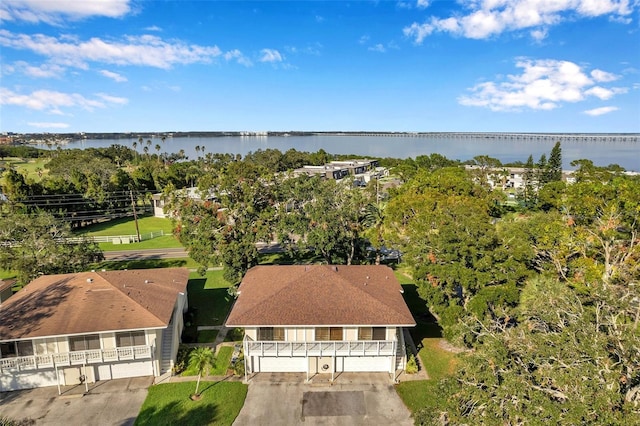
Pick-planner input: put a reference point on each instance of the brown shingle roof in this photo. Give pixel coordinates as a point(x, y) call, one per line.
point(90, 302)
point(320, 295)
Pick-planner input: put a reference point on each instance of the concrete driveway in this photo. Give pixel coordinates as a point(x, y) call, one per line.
point(368, 400)
point(111, 402)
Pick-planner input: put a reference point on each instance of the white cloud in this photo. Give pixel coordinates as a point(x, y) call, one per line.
point(112, 99)
point(603, 76)
point(604, 93)
point(319, 19)
point(539, 34)
point(487, 18)
point(146, 50)
point(422, 4)
point(270, 55)
point(113, 76)
point(378, 48)
point(53, 12)
point(45, 125)
point(154, 28)
point(238, 56)
point(600, 111)
point(542, 85)
point(53, 101)
point(41, 71)
point(364, 39)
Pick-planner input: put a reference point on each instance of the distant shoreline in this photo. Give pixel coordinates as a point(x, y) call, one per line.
point(634, 137)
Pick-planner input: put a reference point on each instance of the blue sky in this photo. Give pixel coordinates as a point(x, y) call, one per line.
point(476, 65)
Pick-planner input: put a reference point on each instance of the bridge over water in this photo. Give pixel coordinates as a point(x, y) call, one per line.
point(586, 137)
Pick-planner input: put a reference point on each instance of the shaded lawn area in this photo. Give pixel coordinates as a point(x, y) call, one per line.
point(223, 359)
point(438, 362)
point(183, 262)
point(306, 257)
point(207, 336)
point(5, 274)
point(169, 404)
point(208, 298)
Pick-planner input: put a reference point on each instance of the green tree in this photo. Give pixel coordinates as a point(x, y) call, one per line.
point(201, 359)
point(562, 360)
point(37, 243)
point(553, 171)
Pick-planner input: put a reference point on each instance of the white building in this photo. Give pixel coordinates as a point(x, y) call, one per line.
point(317, 319)
point(83, 327)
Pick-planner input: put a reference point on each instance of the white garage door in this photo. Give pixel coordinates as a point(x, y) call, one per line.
point(367, 363)
point(26, 379)
point(131, 369)
point(281, 365)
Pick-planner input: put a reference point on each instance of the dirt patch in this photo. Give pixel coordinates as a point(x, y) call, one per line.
point(451, 348)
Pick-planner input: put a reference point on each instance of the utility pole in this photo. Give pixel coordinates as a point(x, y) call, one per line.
point(135, 215)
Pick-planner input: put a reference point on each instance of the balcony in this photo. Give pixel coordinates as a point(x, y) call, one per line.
point(96, 356)
point(319, 348)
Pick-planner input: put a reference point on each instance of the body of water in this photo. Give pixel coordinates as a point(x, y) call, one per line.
point(622, 151)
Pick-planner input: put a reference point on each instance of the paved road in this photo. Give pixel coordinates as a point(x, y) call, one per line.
point(172, 253)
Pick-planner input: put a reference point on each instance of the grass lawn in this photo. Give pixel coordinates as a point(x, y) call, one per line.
point(7, 273)
point(165, 241)
point(28, 166)
point(127, 226)
point(286, 259)
point(183, 262)
point(223, 359)
point(208, 297)
point(439, 362)
point(207, 336)
point(169, 404)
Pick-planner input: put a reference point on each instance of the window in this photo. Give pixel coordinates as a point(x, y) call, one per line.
point(25, 348)
point(84, 343)
point(271, 333)
point(372, 333)
point(8, 350)
point(130, 338)
point(328, 333)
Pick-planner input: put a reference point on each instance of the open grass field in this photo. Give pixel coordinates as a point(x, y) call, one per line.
point(127, 226)
point(33, 168)
point(169, 404)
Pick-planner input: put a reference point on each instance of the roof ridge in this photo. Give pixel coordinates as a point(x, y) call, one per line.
point(129, 296)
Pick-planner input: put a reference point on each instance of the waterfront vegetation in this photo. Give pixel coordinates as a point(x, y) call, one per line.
point(169, 404)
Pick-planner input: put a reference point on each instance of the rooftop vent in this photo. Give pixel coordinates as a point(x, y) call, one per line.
point(89, 280)
point(147, 281)
point(334, 268)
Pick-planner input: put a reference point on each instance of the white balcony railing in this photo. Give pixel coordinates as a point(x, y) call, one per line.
point(319, 348)
point(95, 356)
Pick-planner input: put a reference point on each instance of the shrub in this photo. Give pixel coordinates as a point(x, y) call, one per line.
point(412, 365)
point(238, 366)
point(182, 359)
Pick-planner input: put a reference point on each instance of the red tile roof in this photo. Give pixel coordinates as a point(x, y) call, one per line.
point(91, 302)
point(306, 295)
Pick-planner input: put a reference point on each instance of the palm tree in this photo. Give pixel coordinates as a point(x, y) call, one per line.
point(202, 359)
point(374, 220)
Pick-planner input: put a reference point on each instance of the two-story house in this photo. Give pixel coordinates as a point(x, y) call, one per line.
point(83, 327)
point(317, 319)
